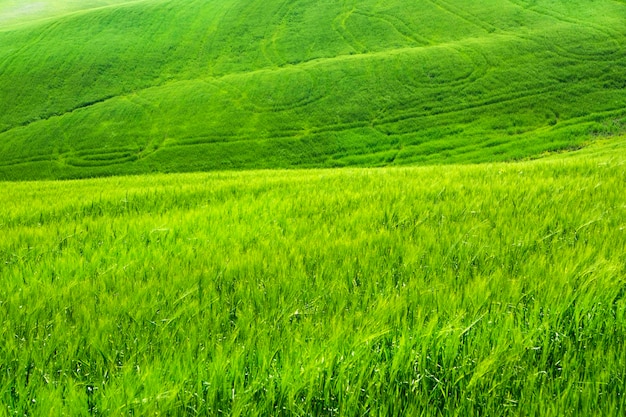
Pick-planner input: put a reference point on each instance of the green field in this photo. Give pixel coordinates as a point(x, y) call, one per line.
point(493, 289)
point(313, 208)
point(96, 88)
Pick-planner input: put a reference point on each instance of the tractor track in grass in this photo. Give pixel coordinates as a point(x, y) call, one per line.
point(462, 15)
point(303, 64)
point(121, 155)
point(316, 62)
point(81, 106)
point(342, 127)
point(268, 44)
point(339, 26)
point(400, 27)
point(564, 18)
point(614, 38)
point(208, 39)
point(113, 156)
point(116, 156)
point(405, 108)
point(306, 86)
point(20, 51)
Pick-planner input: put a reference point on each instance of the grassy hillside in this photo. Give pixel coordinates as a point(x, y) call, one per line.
point(106, 87)
point(15, 13)
point(496, 289)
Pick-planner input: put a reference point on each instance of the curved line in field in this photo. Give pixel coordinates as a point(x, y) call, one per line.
point(89, 154)
point(401, 27)
point(281, 14)
point(304, 64)
point(491, 101)
point(563, 51)
point(11, 58)
point(84, 158)
point(341, 127)
point(317, 61)
point(208, 41)
point(339, 26)
point(446, 7)
point(377, 123)
point(110, 157)
point(308, 94)
point(83, 163)
point(51, 116)
point(37, 158)
point(612, 36)
point(407, 34)
point(477, 70)
point(282, 107)
point(99, 157)
point(545, 11)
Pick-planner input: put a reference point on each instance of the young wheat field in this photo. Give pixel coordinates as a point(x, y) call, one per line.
point(181, 269)
point(497, 289)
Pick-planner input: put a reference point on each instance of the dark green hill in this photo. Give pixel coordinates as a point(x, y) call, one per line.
point(198, 85)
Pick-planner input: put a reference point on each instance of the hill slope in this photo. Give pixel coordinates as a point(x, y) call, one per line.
point(194, 85)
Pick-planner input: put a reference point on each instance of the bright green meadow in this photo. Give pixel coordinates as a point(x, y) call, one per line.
point(313, 208)
point(493, 289)
point(96, 88)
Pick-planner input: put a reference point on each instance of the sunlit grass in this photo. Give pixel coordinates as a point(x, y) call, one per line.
point(462, 290)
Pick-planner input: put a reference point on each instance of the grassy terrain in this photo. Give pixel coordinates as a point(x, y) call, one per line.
point(16, 13)
point(456, 290)
point(105, 87)
point(496, 289)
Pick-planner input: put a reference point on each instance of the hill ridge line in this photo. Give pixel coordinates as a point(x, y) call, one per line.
point(67, 15)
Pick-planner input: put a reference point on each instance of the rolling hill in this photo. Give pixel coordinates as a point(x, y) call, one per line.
point(449, 289)
point(109, 87)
